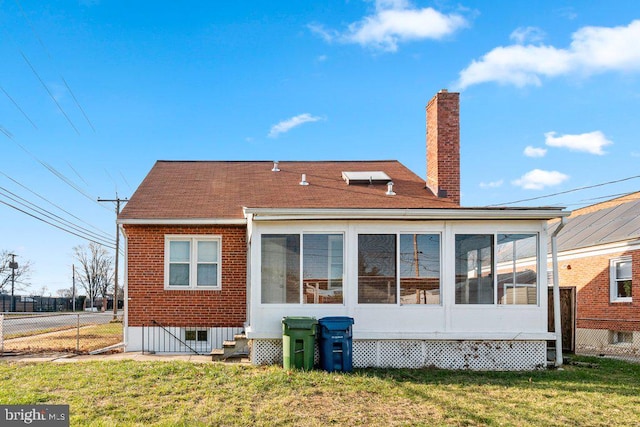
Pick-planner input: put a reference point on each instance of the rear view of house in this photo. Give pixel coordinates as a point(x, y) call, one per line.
point(215, 248)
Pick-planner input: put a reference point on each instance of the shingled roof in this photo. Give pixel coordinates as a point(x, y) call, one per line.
point(220, 189)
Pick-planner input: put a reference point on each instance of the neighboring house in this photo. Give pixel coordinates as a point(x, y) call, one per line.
point(599, 255)
point(214, 248)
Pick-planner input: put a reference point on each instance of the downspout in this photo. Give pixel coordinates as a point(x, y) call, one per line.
point(557, 324)
point(125, 287)
point(249, 218)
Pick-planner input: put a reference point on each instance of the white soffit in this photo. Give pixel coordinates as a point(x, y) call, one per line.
point(366, 177)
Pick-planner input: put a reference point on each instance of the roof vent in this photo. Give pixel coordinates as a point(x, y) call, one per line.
point(366, 177)
point(303, 181)
point(390, 191)
point(275, 166)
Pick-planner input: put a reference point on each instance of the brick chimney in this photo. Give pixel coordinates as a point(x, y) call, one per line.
point(443, 145)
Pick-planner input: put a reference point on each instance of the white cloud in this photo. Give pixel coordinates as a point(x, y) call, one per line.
point(527, 34)
point(288, 124)
point(592, 50)
point(394, 21)
point(321, 58)
point(591, 142)
point(538, 179)
point(493, 184)
point(530, 151)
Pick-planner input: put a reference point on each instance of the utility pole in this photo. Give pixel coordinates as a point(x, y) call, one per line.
point(13, 265)
point(73, 288)
point(117, 201)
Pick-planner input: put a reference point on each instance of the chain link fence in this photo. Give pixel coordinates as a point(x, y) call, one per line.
point(79, 333)
point(614, 338)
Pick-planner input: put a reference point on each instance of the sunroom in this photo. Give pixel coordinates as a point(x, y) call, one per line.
point(463, 288)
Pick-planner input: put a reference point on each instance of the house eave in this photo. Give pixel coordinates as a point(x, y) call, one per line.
point(182, 221)
point(285, 214)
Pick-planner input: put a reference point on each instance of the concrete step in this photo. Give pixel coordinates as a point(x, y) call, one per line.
point(238, 348)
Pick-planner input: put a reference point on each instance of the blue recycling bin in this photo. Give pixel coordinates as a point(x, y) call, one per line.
point(335, 343)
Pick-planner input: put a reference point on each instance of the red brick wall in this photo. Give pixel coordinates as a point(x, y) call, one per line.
point(443, 144)
point(148, 300)
point(590, 276)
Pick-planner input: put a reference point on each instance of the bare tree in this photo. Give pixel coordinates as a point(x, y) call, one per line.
point(65, 293)
point(95, 274)
point(21, 273)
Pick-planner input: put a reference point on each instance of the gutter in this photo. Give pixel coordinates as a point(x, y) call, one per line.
point(182, 221)
point(557, 324)
point(285, 214)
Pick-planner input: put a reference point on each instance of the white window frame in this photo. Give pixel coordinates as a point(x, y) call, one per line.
point(496, 266)
point(301, 235)
point(398, 278)
point(193, 260)
point(613, 280)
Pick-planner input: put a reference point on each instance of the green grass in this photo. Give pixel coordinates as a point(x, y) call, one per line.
point(191, 394)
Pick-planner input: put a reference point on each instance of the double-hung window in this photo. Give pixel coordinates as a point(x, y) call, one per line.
point(192, 262)
point(620, 273)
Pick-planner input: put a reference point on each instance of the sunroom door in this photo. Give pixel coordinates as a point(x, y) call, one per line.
point(274, 269)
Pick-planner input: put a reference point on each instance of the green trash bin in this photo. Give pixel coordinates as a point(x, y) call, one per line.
point(298, 342)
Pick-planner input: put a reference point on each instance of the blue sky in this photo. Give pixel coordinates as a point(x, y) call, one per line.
point(94, 92)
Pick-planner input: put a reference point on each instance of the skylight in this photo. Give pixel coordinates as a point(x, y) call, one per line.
point(366, 177)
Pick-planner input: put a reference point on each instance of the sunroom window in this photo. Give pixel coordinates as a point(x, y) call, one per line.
point(420, 269)
point(320, 259)
point(500, 268)
point(474, 269)
point(377, 268)
point(413, 264)
point(517, 268)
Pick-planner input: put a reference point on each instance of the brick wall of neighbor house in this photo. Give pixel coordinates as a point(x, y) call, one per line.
point(148, 300)
point(443, 144)
point(590, 276)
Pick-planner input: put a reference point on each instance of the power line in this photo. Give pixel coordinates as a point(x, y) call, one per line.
point(567, 191)
point(53, 98)
point(52, 204)
point(35, 34)
point(50, 215)
point(125, 180)
point(51, 169)
point(77, 174)
point(73, 96)
point(54, 225)
point(594, 199)
point(19, 108)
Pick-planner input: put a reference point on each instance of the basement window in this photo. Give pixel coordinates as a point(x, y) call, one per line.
point(366, 177)
point(196, 335)
point(621, 337)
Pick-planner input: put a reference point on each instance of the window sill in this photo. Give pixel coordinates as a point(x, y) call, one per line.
point(190, 288)
point(622, 301)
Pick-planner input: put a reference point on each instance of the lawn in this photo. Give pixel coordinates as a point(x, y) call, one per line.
point(87, 338)
point(190, 394)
